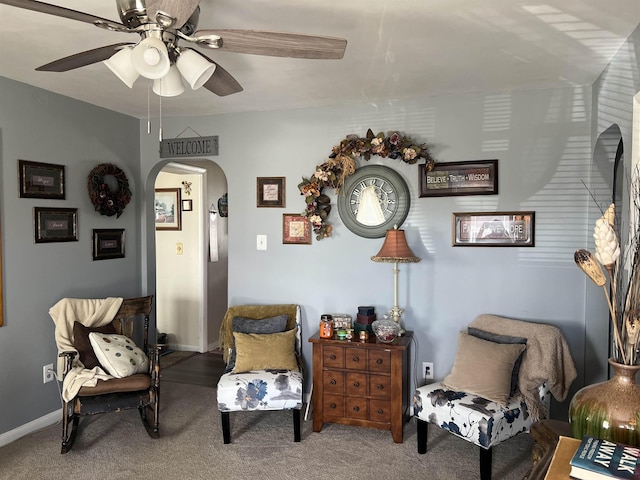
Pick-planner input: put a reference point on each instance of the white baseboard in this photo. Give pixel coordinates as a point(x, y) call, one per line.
point(33, 426)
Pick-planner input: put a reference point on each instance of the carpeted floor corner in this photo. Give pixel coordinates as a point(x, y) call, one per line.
point(116, 446)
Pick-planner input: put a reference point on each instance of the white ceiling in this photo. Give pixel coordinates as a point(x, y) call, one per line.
point(396, 49)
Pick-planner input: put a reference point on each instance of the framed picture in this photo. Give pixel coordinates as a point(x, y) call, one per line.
point(108, 243)
point(296, 229)
point(493, 229)
point(41, 180)
point(55, 224)
point(168, 209)
point(187, 205)
point(271, 192)
point(479, 177)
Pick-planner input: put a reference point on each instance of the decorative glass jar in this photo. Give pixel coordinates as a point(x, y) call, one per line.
point(386, 330)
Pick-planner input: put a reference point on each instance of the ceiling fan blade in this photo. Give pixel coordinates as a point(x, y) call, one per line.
point(83, 58)
point(221, 82)
point(60, 12)
point(278, 44)
point(181, 10)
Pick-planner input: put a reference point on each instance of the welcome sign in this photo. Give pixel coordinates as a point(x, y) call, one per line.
point(189, 147)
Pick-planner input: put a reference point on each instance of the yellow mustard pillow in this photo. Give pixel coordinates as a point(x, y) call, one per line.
point(259, 351)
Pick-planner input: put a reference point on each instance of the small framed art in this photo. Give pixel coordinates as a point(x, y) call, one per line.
point(41, 180)
point(187, 205)
point(493, 229)
point(271, 192)
point(296, 229)
point(55, 224)
point(168, 209)
point(476, 177)
point(108, 243)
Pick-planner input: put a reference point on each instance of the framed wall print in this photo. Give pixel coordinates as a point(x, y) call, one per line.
point(271, 192)
point(55, 224)
point(108, 243)
point(296, 229)
point(187, 205)
point(41, 180)
point(493, 229)
point(478, 177)
point(168, 209)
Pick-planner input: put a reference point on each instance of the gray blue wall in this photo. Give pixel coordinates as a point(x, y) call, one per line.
point(544, 141)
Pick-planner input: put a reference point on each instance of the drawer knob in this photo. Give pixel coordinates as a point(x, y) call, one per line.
point(380, 387)
point(379, 361)
point(332, 357)
point(380, 411)
point(356, 384)
point(356, 409)
point(333, 381)
point(356, 359)
point(333, 405)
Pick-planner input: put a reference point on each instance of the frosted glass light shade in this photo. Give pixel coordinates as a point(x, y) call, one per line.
point(195, 69)
point(170, 85)
point(120, 64)
point(150, 58)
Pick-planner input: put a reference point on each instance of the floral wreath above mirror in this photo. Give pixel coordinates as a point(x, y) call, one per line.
point(108, 198)
point(341, 164)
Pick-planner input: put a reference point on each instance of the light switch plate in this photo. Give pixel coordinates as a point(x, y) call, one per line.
point(261, 242)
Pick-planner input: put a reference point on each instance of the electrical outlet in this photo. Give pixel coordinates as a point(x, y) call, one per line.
point(47, 373)
point(427, 370)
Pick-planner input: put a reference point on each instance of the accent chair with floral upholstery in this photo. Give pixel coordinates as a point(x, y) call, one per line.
point(503, 375)
point(261, 347)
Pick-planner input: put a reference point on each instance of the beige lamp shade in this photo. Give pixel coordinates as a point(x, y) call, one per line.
point(195, 69)
point(170, 85)
point(120, 64)
point(150, 58)
point(395, 249)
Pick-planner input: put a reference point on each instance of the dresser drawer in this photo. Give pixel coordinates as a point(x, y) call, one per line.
point(333, 405)
point(356, 384)
point(333, 382)
point(380, 386)
point(380, 361)
point(380, 411)
point(356, 407)
point(355, 358)
point(333, 357)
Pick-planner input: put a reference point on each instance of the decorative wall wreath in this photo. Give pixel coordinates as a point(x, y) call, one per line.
point(107, 201)
point(341, 164)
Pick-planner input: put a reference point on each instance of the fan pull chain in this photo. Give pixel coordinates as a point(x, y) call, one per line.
point(160, 130)
point(148, 110)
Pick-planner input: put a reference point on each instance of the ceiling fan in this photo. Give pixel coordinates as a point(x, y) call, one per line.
point(157, 56)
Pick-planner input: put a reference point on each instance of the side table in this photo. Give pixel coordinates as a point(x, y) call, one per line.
point(361, 383)
point(546, 434)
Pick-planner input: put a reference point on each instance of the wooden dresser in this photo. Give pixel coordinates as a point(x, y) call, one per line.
point(365, 384)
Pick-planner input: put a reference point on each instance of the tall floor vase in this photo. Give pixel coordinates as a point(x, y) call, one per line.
point(609, 410)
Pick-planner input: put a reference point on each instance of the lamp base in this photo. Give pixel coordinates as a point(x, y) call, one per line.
point(395, 314)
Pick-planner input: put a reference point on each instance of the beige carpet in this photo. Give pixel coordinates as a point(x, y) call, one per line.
point(116, 446)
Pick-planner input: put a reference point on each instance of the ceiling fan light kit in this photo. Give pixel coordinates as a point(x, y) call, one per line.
point(195, 69)
point(170, 85)
point(151, 58)
point(122, 67)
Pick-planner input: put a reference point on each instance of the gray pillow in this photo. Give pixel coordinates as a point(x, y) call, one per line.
point(503, 339)
point(275, 324)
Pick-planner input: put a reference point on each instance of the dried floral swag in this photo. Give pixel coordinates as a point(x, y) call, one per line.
point(342, 163)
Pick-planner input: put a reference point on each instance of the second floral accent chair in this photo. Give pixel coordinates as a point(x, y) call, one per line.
point(261, 346)
point(499, 385)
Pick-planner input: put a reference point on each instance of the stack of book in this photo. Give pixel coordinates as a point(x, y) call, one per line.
point(594, 459)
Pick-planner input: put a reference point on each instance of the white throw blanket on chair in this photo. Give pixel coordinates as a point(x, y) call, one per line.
point(90, 313)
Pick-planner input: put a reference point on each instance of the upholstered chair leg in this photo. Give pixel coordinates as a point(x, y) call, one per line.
point(226, 432)
point(422, 435)
point(296, 424)
point(485, 464)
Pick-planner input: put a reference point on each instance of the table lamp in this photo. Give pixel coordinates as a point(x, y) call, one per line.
point(395, 250)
